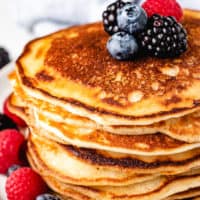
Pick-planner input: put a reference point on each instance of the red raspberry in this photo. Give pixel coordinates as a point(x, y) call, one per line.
point(24, 184)
point(14, 117)
point(164, 8)
point(10, 142)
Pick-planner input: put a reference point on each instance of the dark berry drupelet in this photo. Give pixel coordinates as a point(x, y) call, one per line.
point(12, 169)
point(110, 17)
point(6, 123)
point(163, 37)
point(4, 57)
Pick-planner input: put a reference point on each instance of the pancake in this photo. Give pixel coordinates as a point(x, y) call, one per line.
point(15, 105)
point(93, 175)
point(158, 189)
point(47, 108)
point(155, 144)
point(100, 177)
point(105, 168)
point(191, 194)
point(148, 145)
point(64, 70)
point(152, 189)
point(185, 128)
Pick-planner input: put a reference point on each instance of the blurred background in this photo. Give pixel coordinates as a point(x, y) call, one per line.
point(22, 20)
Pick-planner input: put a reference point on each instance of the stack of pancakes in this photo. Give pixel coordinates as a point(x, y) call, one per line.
point(110, 130)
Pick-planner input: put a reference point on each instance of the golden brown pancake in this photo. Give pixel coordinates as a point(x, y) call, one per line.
point(187, 195)
point(149, 144)
point(15, 105)
point(105, 168)
point(185, 128)
point(158, 189)
point(73, 69)
point(100, 177)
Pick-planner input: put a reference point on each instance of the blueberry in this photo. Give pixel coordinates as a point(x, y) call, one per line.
point(12, 169)
point(132, 18)
point(122, 46)
point(6, 123)
point(47, 197)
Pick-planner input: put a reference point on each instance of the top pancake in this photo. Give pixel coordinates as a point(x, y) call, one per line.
point(73, 68)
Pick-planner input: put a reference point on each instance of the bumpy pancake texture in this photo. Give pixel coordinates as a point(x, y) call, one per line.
point(102, 129)
point(72, 68)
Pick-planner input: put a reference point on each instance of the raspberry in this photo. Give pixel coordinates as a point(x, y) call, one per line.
point(12, 116)
point(24, 184)
point(10, 143)
point(164, 8)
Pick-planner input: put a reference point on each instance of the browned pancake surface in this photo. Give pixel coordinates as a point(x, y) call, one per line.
point(87, 61)
point(73, 66)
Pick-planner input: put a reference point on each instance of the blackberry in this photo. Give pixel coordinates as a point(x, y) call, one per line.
point(6, 123)
point(4, 57)
point(163, 37)
point(110, 17)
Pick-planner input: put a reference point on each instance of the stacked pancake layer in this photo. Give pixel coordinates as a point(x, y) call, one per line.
point(103, 129)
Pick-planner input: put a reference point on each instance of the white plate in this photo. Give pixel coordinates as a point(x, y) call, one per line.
point(5, 90)
point(2, 187)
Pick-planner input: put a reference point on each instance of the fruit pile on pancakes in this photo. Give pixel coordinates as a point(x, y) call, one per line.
point(106, 129)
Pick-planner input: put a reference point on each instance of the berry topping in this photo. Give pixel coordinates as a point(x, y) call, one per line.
point(6, 122)
point(47, 197)
point(10, 143)
point(163, 37)
point(131, 18)
point(12, 169)
point(163, 8)
point(24, 184)
point(122, 46)
point(4, 57)
point(14, 117)
point(110, 17)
